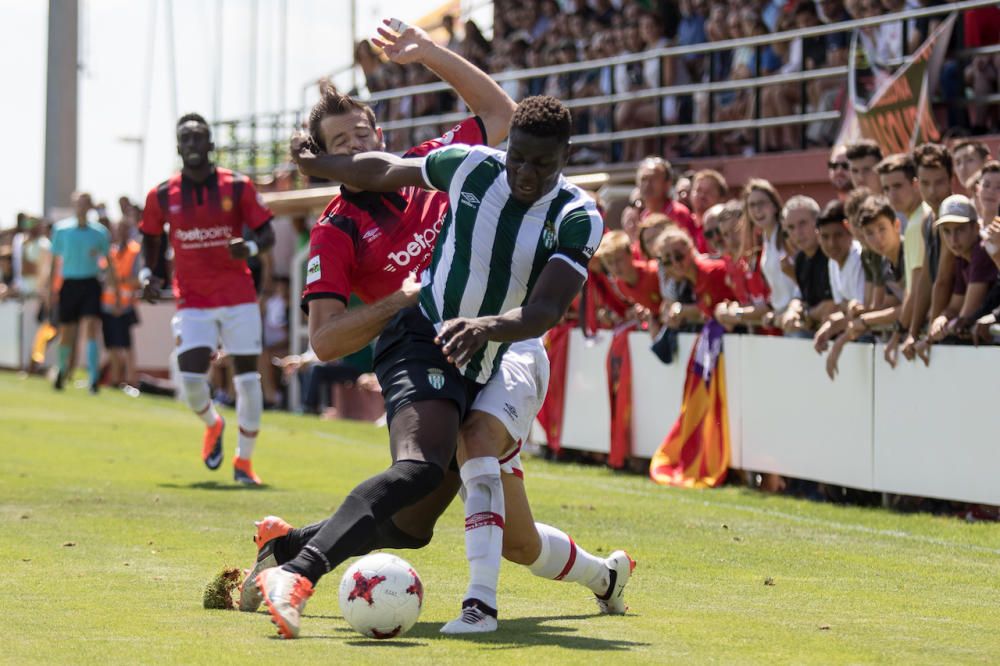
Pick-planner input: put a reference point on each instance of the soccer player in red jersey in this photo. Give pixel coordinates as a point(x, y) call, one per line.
point(207, 208)
point(367, 242)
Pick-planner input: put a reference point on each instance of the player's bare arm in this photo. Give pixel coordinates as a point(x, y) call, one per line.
point(373, 171)
point(557, 286)
point(405, 44)
point(335, 331)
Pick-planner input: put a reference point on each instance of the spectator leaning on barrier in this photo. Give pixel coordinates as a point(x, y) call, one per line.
point(898, 174)
point(798, 219)
point(847, 276)
point(763, 208)
point(743, 261)
point(968, 157)
point(710, 277)
point(636, 279)
point(882, 231)
point(974, 270)
point(838, 171)
point(862, 158)
point(932, 292)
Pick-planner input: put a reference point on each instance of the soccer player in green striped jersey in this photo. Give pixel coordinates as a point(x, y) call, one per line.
point(511, 256)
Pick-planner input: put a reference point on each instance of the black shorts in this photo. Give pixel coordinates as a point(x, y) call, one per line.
point(79, 298)
point(118, 330)
point(411, 368)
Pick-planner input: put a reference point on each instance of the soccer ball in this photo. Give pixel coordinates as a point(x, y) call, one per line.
point(381, 596)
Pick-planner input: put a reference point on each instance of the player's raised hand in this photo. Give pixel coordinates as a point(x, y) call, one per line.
point(403, 43)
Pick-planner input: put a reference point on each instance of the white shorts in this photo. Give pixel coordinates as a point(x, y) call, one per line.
point(237, 327)
point(514, 395)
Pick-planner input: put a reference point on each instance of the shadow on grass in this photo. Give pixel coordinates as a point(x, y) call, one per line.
point(513, 633)
point(214, 485)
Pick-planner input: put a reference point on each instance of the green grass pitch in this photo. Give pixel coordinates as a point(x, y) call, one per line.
point(111, 527)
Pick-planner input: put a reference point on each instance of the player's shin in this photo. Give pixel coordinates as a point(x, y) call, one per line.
point(249, 406)
point(562, 559)
point(196, 394)
point(484, 521)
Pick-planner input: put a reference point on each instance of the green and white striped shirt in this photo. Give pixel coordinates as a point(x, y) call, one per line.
point(492, 248)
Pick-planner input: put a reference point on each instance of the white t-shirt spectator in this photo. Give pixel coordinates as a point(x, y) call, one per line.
point(275, 321)
point(783, 288)
point(847, 282)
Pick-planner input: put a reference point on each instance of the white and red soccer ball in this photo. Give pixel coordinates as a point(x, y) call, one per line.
point(381, 596)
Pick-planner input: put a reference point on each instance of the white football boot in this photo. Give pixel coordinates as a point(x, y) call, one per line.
point(285, 594)
point(621, 566)
point(473, 620)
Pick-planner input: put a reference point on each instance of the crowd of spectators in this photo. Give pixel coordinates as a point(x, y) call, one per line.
point(906, 251)
point(536, 33)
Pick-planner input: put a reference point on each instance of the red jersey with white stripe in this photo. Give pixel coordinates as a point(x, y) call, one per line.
point(368, 242)
point(203, 217)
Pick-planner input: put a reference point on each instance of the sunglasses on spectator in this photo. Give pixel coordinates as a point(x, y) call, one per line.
point(838, 165)
point(675, 258)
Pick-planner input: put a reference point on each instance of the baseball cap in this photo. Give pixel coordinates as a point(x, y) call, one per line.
point(956, 209)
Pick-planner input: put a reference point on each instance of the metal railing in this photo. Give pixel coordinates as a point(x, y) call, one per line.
point(251, 155)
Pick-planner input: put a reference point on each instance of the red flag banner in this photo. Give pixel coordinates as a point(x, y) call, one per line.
point(551, 413)
point(696, 452)
point(619, 366)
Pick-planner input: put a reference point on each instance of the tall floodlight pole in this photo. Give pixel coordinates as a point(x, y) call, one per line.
point(61, 104)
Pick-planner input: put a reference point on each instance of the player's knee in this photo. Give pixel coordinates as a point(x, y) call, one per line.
point(419, 476)
point(521, 548)
point(482, 435)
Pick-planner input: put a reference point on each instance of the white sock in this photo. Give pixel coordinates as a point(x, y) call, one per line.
point(196, 393)
point(249, 405)
point(484, 518)
point(561, 559)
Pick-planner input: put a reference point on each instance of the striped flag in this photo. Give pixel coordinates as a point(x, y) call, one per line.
point(550, 416)
point(619, 368)
point(696, 452)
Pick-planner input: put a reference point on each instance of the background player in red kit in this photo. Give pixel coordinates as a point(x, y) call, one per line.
point(207, 208)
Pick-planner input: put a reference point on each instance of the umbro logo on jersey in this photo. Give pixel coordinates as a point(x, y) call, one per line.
point(470, 199)
point(371, 234)
point(435, 378)
point(175, 208)
point(511, 411)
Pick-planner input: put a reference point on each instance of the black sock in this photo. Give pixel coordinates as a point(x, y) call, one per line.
point(354, 526)
point(387, 535)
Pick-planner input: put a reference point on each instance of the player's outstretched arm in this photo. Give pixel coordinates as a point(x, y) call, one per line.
point(372, 171)
point(557, 286)
point(335, 331)
point(406, 44)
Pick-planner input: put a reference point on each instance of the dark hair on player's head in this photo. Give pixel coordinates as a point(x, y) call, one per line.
point(333, 103)
point(193, 117)
point(543, 116)
point(901, 162)
point(874, 208)
point(862, 149)
point(933, 156)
